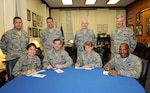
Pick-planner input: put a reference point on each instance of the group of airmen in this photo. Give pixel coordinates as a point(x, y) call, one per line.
point(15, 44)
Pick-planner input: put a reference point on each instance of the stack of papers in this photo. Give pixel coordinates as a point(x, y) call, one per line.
point(84, 68)
point(105, 72)
point(79, 68)
point(58, 70)
point(39, 75)
point(36, 74)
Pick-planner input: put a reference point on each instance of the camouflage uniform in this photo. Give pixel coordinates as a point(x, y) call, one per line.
point(130, 66)
point(124, 36)
point(93, 60)
point(47, 38)
point(82, 37)
point(13, 44)
point(24, 64)
point(52, 58)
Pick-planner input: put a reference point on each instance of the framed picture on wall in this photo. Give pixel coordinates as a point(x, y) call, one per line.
point(30, 31)
point(139, 30)
point(130, 14)
point(34, 19)
point(40, 21)
point(131, 27)
point(39, 33)
point(28, 15)
point(148, 26)
point(138, 18)
point(34, 32)
point(99, 28)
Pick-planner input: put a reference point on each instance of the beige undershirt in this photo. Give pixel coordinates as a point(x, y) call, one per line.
point(19, 32)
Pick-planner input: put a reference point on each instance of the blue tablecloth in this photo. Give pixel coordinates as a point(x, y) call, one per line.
point(73, 81)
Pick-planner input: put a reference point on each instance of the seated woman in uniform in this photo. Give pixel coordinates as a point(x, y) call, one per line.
point(89, 58)
point(28, 63)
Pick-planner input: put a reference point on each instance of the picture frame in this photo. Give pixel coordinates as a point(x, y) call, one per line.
point(28, 15)
point(105, 27)
point(99, 28)
point(138, 18)
point(130, 14)
point(102, 28)
point(40, 21)
point(34, 32)
point(39, 32)
point(139, 30)
point(130, 21)
point(131, 27)
point(148, 26)
point(30, 31)
point(34, 19)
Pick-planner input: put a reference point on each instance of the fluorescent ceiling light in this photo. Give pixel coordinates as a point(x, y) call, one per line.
point(90, 2)
point(113, 1)
point(67, 2)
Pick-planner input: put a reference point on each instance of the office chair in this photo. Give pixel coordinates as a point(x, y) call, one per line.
point(9, 67)
point(143, 77)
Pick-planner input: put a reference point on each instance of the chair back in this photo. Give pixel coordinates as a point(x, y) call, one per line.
point(9, 67)
point(143, 77)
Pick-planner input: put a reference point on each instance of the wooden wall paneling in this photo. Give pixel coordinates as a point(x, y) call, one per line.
point(139, 6)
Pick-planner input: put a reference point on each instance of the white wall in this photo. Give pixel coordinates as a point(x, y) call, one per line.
point(95, 17)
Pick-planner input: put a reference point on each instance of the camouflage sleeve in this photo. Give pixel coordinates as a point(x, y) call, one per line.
point(61, 37)
point(17, 71)
point(133, 41)
point(45, 61)
point(75, 40)
point(97, 61)
point(42, 39)
point(135, 72)
point(111, 63)
point(68, 59)
point(112, 37)
point(94, 39)
point(4, 42)
point(79, 60)
point(28, 39)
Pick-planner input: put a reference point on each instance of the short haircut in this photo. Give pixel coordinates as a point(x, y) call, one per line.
point(49, 18)
point(30, 45)
point(16, 18)
point(57, 40)
point(120, 16)
point(88, 43)
point(125, 44)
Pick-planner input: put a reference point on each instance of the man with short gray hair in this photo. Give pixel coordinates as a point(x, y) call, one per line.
point(83, 35)
point(122, 35)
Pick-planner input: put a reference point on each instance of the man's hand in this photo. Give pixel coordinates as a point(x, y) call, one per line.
point(113, 72)
point(106, 68)
point(58, 66)
point(28, 72)
point(49, 67)
point(77, 64)
point(86, 66)
point(33, 70)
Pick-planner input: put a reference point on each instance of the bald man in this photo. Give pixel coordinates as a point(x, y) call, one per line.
point(122, 35)
point(83, 35)
point(124, 63)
